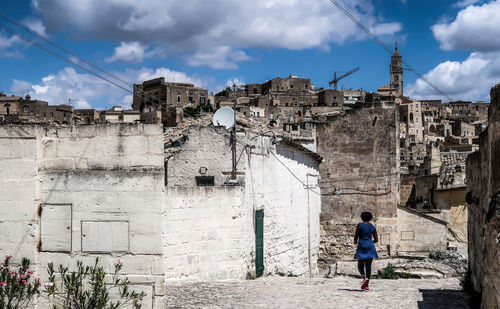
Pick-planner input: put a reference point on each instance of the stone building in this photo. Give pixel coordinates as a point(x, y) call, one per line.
point(158, 95)
point(117, 115)
point(222, 215)
point(352, 96)
point(14, 109)
point(330, 97)
point(86, 116)
point(483, 199)
point(360, 173)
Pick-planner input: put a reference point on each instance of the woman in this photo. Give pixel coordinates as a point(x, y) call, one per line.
point(366, 251)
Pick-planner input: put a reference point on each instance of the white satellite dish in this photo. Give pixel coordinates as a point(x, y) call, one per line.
point(224, 116)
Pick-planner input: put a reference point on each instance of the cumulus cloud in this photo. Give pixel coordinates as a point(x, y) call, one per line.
point(475, 28)
point(130, 52)
point(211, 26)
point(223, 57)
point(87, 90)
point(470, 79)
point(8, 46)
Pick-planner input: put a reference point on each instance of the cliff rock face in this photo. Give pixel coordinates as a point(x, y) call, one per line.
point(483, 198)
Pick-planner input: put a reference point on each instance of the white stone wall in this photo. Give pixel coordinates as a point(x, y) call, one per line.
point(225, 216)
point(206, 233)
point(86, 192)
point(291, 215)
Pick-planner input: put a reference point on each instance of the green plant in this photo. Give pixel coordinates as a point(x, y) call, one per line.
point(85, 288)
point(17, 289)
point(388, 272)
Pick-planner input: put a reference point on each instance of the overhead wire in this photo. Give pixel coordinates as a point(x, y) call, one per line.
point(383, 45)
point(33, 42)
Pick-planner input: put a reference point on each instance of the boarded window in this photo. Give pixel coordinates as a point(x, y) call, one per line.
point(56, 227)
point(105, 236)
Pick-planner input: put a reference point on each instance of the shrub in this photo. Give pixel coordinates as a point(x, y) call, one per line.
point(388, 272)
point(17, 289)
point(85, 288)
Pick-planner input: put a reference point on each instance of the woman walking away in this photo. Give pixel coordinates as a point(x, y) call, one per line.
point(366, 251)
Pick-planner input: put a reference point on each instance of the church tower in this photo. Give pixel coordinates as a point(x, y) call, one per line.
point(397, 72)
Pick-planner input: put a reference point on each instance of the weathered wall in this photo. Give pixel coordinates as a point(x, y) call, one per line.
point(420, 233)
point(453, 208)
point(86, 192)
point(207, 233)
point(291, 213)
point(224, 216)
point(361, 151)
point(483, 187)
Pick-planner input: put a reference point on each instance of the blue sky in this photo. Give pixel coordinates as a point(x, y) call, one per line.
point(220, 42)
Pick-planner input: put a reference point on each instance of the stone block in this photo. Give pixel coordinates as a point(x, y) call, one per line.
point(105, 236)
point(55, 227)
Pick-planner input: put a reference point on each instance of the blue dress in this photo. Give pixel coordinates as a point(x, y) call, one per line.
point(366, 247)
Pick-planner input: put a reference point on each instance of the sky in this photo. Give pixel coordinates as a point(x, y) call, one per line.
point(218, 43)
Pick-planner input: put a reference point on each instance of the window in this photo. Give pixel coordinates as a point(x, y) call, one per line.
point(411, 117)
point(178, 99)
point(25, 108)
point(190, 99)
point(204, 181)
point(202, 100)
point(291, 85)
point(396, 77)
point(51, 114)
point(258, 114)
point(7, 109)
point(44, 114)
point(254, 90)
point(305, 86)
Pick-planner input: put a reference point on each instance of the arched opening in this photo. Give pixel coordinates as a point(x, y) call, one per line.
point(7, 109)
point(432, 129)
point(411, 117)
point(299, 113)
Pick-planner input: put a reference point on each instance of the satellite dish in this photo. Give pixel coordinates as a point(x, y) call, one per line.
point(224, 116)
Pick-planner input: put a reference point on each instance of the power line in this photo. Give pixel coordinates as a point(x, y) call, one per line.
point(12, 31)
point(367, 31)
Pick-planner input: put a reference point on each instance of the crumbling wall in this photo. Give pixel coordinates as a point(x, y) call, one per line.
point(91, 191)
point(483, 199)
point(360, 173)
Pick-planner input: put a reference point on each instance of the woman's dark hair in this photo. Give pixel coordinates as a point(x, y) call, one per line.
point(366, 216)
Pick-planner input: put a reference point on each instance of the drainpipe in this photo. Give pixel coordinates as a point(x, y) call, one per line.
point(309, 258)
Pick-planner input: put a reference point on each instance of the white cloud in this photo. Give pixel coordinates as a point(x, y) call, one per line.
point(475, 28)
point(88, 90)
point(223, 57)
point(130, 52)
point(36, 25)
point(209, 26)
point(470, 79)
point(465, 3)
point(8, 46)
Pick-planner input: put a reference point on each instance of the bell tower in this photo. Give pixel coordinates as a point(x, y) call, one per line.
point(396, 71)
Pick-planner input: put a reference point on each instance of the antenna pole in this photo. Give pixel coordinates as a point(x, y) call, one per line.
point(233, 140)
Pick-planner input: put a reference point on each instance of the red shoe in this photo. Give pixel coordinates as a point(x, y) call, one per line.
point(365, 285)
point(364, 279)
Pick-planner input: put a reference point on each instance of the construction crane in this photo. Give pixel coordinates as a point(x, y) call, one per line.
point(336, 79)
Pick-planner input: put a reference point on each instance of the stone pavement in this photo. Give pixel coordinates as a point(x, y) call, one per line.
point(340, 292)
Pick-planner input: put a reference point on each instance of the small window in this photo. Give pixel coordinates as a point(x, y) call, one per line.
point(178, 99)
point(204, 181)
point(291, 85)
point(305, 86)
point(51, 114)
point(25, 108)
point(254, 90)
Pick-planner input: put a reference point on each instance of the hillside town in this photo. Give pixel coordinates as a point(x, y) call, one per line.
point(309, 162)
point(172, 182)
